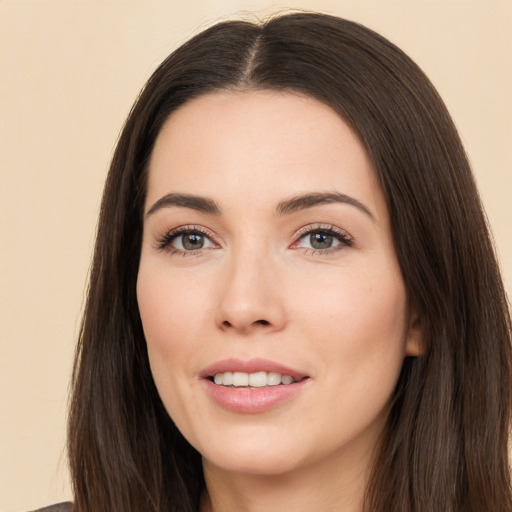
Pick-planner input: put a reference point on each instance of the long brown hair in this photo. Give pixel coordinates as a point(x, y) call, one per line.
point(445, 445)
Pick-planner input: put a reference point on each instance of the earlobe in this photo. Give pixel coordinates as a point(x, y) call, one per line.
point(414, 344)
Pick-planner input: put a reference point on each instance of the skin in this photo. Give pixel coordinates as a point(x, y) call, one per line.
point(257, 289)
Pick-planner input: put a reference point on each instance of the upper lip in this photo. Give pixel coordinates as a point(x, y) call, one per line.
point(250, 366)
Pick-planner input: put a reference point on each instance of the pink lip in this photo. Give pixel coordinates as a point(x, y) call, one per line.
point(246, 400)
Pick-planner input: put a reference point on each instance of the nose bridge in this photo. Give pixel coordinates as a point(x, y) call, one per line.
point(250, 297)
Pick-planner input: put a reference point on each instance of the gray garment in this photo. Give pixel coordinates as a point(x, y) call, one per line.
point(59, 507)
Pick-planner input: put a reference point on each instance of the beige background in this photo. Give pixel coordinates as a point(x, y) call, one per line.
point(69, 72)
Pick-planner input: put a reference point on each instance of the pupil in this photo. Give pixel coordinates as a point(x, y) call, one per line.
point(193, 241)
point(321, 240)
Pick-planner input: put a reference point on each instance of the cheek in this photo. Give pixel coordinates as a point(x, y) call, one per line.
point(172, 312)
point(359, 326)
point(171, 306)
point(357, 331)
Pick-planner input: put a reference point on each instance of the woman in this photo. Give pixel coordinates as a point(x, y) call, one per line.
point(294, 302)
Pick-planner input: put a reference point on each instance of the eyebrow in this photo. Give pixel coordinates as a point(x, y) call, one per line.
point(305, 201)
point(201, 204)
point(294, 204)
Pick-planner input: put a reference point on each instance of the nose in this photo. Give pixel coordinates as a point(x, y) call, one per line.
point(251, 297)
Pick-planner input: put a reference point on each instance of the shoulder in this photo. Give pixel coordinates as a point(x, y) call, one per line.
point(59, 507)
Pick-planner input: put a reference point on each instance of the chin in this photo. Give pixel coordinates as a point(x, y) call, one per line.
point(253, 455)
point(261, 464)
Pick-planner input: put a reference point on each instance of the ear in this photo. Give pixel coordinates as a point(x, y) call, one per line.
point(414, 340)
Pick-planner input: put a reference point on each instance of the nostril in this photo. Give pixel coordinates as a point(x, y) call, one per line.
point(244, 325)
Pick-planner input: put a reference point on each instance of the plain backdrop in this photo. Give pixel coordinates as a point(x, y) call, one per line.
point(69, 72)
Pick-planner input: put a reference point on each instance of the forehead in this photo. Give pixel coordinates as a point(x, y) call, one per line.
point(259, 145)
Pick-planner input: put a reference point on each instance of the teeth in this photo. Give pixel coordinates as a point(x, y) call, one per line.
point(286, 379)
point(239, 379)
point(258, 380)
point(253, 380)
point(273, 379)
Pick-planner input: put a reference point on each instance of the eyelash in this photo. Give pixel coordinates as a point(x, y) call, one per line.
point(164, 242)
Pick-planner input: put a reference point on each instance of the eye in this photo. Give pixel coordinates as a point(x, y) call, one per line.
point(320, 240)
point(191, 241)
point(185, 240)
point(323, 239)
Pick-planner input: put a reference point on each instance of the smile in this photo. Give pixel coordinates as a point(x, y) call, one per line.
point(252, 386)
point(252, 380)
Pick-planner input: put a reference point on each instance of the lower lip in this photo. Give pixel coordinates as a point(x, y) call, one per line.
point(252, 400)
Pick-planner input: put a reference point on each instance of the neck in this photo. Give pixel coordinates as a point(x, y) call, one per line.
point(329, 487)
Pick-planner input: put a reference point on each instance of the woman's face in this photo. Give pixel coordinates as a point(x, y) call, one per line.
point(272, 302)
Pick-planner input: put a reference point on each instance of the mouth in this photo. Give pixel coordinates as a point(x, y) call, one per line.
point(252, 373)
point(253, 386)
point(255, 380)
